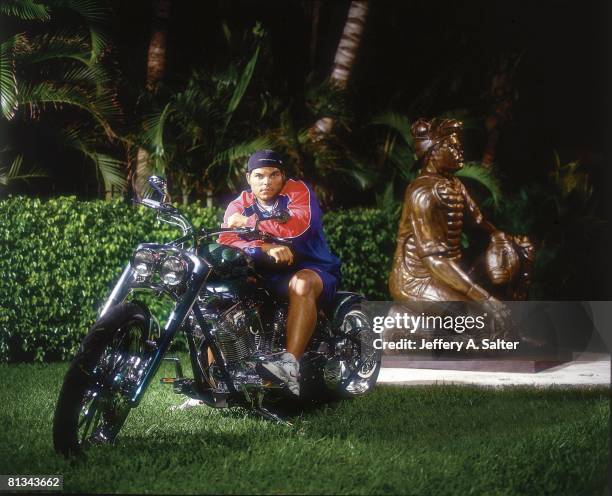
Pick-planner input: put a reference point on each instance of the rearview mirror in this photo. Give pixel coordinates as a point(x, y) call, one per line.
point(159, 185)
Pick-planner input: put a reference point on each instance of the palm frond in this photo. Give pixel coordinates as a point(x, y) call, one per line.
point(402, 159)
point(14, 172)
point(328, 100)
point(241, 87)
point(241, 151)
point(100, 106)
point(398, 123)
point(8, 81)
point(572, 179)
point(232, 160)
point(484, 176)
point(95, 15)
point(387, 202)
point(110, 169)
point(363, 178)
point(227, 34)
point(60, 45)
point(27, 10)
point(154, 126)
point(94, 74)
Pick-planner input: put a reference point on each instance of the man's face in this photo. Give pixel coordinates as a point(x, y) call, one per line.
point(448, 157)
point(266, 183)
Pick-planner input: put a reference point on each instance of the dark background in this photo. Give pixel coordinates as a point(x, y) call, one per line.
point(418, 58)
point(444, 53)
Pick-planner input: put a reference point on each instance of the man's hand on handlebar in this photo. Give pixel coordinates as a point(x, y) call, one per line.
point(237, 220)
point(281, 254)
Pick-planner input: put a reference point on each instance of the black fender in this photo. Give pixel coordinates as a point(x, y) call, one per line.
point(342, 302)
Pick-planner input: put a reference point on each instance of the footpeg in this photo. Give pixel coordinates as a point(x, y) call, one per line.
point(178, 370)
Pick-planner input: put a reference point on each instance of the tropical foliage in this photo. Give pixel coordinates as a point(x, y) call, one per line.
point(397, 166)
point(61, 89)
point(59, 259)
point(567, 227)
point(45, 70)
point(198, 135)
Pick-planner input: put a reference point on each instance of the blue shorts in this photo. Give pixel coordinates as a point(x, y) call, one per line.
point(278, 282)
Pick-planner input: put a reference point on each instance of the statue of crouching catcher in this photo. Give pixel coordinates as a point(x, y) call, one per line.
point(427, 265)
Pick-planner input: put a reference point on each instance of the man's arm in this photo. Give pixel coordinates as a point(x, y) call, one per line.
point(233, 218)
point(300, 212)
point(232, 239)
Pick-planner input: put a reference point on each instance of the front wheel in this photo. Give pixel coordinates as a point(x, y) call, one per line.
point(92, 405)
point(355, 368)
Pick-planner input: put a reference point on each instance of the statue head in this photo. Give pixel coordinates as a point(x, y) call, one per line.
point(437, 142)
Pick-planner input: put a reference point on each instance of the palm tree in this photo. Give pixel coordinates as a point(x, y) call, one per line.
point(57, 70)
point(346, 53)
point(156, 57)
point(312, 9)
point(15, 172)
point(156, 68)
point(194, 137)
point(502, 95)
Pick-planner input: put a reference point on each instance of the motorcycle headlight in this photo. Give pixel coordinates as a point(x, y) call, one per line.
point(173, 271)
point(143, 262)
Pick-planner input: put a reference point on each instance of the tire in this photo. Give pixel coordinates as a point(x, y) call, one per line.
point(360, 360)
point(89, 410)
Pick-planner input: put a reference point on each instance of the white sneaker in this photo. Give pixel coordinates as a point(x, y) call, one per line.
point(188, 403)
point(284, 368)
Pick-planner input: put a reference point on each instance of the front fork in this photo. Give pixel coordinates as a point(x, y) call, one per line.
point(181, 309)
point(121, 289)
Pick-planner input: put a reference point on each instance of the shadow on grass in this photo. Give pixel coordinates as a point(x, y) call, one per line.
point(418, 440)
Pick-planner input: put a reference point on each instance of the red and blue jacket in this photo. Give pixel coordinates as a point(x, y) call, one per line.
point(303, 229)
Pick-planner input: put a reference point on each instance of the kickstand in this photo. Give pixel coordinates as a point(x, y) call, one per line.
point(267, 414)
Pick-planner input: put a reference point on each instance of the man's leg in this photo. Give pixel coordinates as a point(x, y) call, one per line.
point(304, 290)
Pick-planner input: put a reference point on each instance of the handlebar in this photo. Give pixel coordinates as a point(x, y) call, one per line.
point(250, 233)
point(171, 215)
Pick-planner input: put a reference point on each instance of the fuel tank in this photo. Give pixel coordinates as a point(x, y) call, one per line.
point(233, 274)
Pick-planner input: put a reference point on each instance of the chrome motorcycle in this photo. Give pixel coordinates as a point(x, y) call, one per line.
point(230, 322)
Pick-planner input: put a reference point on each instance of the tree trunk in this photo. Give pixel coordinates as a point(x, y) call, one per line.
point(344, 60)
point(314, 31)
point(186, 188)
point(502, 95)
point(156, 68)
point(492, 125)
point(209, 196)
point(156, 58)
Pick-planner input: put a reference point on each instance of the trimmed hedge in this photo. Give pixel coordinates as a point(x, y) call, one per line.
point(60, 258)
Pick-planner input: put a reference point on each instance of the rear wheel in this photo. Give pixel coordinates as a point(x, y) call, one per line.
point(92, 405)
point(355, 369)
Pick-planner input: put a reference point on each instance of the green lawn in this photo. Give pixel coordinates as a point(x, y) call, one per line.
point(422, 440)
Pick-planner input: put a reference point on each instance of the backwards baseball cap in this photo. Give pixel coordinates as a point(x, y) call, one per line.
point(265, 158)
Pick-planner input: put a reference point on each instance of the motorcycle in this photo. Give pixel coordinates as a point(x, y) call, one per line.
point(230, 322)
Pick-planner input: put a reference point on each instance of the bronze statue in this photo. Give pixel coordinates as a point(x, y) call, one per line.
point(427, 261)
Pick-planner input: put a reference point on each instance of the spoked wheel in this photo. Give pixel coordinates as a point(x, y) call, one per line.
point(358, 364)
point(92, 405)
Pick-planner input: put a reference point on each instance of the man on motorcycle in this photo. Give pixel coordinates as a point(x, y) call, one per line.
point(305, 270)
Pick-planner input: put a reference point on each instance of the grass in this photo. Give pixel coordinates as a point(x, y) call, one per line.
point(422, 440)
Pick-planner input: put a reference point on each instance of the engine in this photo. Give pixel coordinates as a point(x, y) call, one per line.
point(240, 332)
